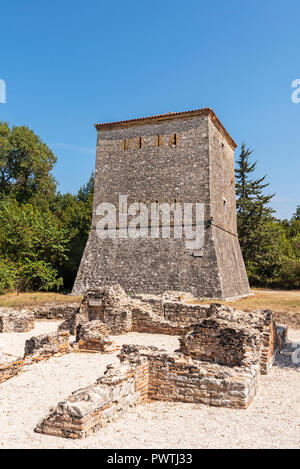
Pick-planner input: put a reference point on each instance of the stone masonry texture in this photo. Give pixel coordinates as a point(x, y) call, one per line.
point(146, 372)
point(196, 167)
point(12, 320)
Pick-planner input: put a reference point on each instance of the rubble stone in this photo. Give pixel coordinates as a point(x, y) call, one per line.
point(45, 345)
point(93, 336)
point(16, 321)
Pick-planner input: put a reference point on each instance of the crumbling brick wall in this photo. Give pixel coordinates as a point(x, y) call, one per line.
point(224, 335)
point(235, 338)
point(223, 342)
point(9, 366)
point(165, 314)
point(93, 336)
point(149, 373)
point(16, 321)
point(90, 408)
point(53, 310)
point(45, 345)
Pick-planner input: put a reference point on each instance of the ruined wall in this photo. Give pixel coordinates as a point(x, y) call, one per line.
point(172, 378)
point(9, 366)
point(149, 373)
point(222, 341)
point(183, 172)
point(37, 348)
point(121, 313)
point(93, 336)
point(53, 310)
point(15, 321)
point(44, 346)
point(90, 408)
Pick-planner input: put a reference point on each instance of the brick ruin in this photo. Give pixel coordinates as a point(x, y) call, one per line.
point(37, 348)
point(163, 314)
point(16, 321)
point(93, 336)
point(220, 330)
point(221, 353)
point(147, 373)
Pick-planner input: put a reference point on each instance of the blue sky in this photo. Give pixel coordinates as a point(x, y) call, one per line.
point(69, 64)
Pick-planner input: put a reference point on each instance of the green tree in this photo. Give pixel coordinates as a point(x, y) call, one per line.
point(25, 165)
point(33, 243)
point(75, 215)
point(253, 211)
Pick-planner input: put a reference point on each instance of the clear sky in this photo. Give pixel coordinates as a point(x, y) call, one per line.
point(68, 64)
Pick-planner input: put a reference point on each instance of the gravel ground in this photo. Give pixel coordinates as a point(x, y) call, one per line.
point(271, 421)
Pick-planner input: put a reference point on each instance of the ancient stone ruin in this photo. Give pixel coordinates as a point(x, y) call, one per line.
point(175, 158)
point(37, 348)
point(16, 321)
point(46, 345)
point(93, 336)
point(221, 354)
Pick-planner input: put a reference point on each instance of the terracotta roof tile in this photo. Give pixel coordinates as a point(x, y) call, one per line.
point(169, 116)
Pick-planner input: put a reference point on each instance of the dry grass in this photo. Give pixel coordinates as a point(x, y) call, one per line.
point(277, 300)
point(36, 298)
point(285, 304)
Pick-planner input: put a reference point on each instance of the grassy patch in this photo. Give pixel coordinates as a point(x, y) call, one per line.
point(285, 304)
point(38, 298)
point(284, 301)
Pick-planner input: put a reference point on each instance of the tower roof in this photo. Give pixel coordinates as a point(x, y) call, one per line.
point(169, 117)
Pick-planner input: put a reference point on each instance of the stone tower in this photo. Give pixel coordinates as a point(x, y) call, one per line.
point(170, 158)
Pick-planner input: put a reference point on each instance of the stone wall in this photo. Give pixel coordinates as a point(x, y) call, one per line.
point(45, 345)
point(9, 366)
point(93, 336)
point(149, 373)
point(90, 408)
point(222, 335)
point(37, 348)
point(53, 310)
point(15, 321)
point(164, 314)
point(221, 341)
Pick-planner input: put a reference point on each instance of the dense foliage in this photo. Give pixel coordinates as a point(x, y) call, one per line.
point(43, 232)
point(270, 247)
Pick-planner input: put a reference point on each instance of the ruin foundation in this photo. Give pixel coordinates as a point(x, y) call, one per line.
point(222, 352)
point(16, 321)
point(149, 374)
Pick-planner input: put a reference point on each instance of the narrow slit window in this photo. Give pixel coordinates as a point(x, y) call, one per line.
point(139, 143)
point(173, 140)
point(159, 141)
point(125, 144)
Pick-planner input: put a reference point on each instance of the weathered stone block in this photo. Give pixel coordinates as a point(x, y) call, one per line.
point(16, 321)
point(93, 336)
point(45, 345)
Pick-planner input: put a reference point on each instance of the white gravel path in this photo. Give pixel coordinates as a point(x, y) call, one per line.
point(271, 421)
